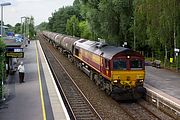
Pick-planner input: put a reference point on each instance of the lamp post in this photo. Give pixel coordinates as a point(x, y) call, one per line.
point(27, 29)
point(22, 28)
point(2, 5)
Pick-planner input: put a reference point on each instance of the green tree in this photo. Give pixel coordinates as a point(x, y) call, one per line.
point(157, 27)
point(0, 22)
point(57, 23)
point(139, 27)
point(84, 30)
point(10, 27)
point(109, 19)
point(31, 28)
point(17, 28)
point(150, 26)
point(2, 67)
point(42, 26)
point(72, 26)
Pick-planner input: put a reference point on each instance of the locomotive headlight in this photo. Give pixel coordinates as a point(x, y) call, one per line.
point(141, 80)
point(115, 81)
point(128, 56)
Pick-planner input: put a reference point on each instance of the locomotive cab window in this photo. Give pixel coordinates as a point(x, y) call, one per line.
point(106, 63)
point(76, 51)
point(136, 64)
point(119, 65)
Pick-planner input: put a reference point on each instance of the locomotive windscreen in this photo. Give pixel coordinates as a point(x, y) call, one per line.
point(119, 64)
point(136, 64)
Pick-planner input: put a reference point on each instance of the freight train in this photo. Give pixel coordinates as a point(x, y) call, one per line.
point(117, 70)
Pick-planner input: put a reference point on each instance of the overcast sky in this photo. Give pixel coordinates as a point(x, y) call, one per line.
point(39, 9)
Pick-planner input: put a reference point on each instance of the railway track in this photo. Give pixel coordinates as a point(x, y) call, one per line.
point(78, 104)
point(119, 111)
point(139, 112)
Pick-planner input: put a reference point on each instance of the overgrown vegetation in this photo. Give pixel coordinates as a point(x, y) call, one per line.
point(149, 26)
point(31, 31)
point(2, 66)
point(26, 27)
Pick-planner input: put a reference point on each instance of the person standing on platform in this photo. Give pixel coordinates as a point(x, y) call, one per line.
point(21, 72)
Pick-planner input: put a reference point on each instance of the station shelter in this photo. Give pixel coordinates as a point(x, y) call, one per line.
point(14, 51)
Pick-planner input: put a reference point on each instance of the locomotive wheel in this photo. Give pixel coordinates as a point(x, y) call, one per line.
point(77, 64)
point(103, 85)
point(97, 83)
point(96, 79)
point(60, 50)
point(70, 58)
point(91, 75)
point(108, 89)
point(108, 92)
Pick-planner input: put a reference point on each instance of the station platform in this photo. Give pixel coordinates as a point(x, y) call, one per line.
point(164, 80)
point(36, 99)
point(163, 90)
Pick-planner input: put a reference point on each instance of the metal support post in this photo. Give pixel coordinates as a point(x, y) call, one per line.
point(1, 21)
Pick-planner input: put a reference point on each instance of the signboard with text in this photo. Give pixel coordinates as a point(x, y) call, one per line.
point(176, 50)
point(15, 54)
point(14, 49)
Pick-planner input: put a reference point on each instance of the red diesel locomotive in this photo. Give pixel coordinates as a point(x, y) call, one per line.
point(117, 70)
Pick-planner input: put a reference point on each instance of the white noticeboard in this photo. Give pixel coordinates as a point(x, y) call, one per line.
point(18, 50)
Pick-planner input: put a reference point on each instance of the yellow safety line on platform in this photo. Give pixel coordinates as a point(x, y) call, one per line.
point(40, 85)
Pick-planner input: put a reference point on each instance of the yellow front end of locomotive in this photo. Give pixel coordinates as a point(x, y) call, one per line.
point(128, 79)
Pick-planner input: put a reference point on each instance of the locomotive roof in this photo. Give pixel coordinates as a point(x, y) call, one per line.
point(110, 51)
point(99, 48)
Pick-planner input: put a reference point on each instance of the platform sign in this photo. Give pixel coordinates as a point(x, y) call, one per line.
point(18, 50)
point(14, 49)
point(15, 54)
point(176, 50)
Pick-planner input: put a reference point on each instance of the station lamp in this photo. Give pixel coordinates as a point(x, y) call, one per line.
point(2, 5)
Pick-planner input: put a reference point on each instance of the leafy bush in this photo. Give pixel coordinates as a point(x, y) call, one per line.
point(2, 65)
